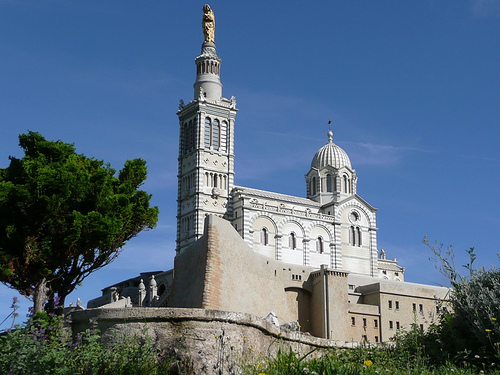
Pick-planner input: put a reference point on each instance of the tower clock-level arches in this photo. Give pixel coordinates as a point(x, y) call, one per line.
point(264, 234)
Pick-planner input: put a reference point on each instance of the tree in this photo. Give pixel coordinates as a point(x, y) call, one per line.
point(64, 216)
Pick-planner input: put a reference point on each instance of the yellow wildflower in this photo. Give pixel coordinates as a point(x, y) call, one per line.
point(494, 319)
point(488, 330)
point(368, 363)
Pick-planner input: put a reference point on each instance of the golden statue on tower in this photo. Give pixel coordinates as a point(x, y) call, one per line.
point(208, 24)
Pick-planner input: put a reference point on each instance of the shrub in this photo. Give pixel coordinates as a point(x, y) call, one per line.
point(45, 346)
point(470, 331)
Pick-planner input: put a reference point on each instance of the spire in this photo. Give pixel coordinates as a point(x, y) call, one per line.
point(207, 84)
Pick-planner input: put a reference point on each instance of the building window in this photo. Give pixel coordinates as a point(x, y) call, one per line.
point(391, 324)
point(188, 135)
point(208, 132)
point(213, 134)
point(390, 304)
point(319, 245)
point(397, 325)
point(375, 323)
point(313, 186)
point(421, 308)
point(223, 135)
point(264, 236)
point(329, 185)
point(354, 236)
point(216, 135)
point(376, 338)
point(364, 322)
point(292, 241)
point(345, 184)
point(396, 305)
point(414, 307)
point(353, 321)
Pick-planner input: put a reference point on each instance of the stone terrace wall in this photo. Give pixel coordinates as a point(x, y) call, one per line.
point(209, 341)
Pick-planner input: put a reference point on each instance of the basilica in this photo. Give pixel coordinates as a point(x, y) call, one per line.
point(312, 260)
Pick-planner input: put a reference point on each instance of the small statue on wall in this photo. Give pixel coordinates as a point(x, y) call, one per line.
point(208, 24)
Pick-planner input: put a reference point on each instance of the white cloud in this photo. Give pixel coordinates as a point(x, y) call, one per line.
point(378, 154)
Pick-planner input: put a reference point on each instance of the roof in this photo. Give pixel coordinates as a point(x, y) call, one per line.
point(331, 155)
point(277, 196)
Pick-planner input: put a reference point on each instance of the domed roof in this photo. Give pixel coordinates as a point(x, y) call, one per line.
point(331, 155)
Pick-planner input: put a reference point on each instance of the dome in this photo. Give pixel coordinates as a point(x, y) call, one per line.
point(331, 155)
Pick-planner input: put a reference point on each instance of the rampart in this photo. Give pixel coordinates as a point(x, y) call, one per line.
point(204, 341)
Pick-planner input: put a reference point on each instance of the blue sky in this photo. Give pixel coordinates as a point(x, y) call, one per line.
point(412, 89)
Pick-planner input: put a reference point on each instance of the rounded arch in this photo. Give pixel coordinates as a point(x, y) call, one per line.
point(354, 204)
point(273, 226)
point(310, 231)
point(285, 222)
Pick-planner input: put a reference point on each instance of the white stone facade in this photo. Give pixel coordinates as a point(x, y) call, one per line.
point(331, 226)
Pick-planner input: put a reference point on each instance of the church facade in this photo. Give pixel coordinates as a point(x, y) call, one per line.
point(312, 260)
point(332, 225)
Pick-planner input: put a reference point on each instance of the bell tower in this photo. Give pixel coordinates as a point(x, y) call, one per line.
point(206, 144)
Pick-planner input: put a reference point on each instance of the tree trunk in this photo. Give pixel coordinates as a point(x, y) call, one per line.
point(55, 304)
point(40, 296)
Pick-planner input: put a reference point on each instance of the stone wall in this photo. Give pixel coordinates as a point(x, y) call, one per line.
point(204, 341)
point(220, 272)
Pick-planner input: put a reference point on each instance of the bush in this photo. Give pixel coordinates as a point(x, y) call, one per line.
point(45, 346)
point(469, 331)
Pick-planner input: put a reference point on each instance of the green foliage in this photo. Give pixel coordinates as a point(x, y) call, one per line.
point(64, 216)
point(365, 360)
point(45, 346)
point(470, 330)
point(465, 339)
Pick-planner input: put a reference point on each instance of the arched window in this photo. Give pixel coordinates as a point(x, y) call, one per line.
point(208, 132)
point(354, 236)
point(319, 245)
point(329, 187)
point(313, 187)
point(216, 135)
point(223, 135)
point(292, 241)
point(345, 184)
point(264, 236)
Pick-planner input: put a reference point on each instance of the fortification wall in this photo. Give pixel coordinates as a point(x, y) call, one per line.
point(203, 341)
point(227, 275)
